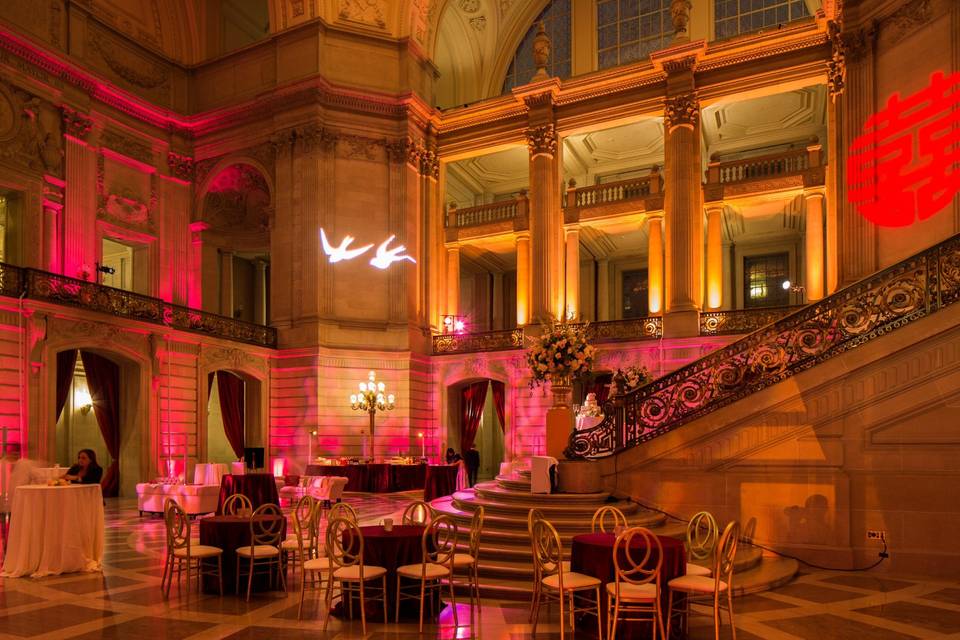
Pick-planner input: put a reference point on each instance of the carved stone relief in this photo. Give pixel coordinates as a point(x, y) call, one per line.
point(127, 63)
point(76, 124)
point(127, 146)
point(368, 12)
point(681, 110)
point(30, 131)
point(238, 197)
point(122, 204)
point(180, 166)
point(215, 358)
point(542, 140)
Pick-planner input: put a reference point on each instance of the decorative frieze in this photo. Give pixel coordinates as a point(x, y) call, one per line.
point(180, 166)
point(837, 64)
point(127, 146)
point(681, 111)
point(127, 64)
point(542, 140)
point(367, 12)
point(75, 123)
point(30, 131)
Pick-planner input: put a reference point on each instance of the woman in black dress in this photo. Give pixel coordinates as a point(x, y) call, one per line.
point(86, 471)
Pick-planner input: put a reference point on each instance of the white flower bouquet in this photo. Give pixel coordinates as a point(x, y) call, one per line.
point(631, 378)
point(560, 354)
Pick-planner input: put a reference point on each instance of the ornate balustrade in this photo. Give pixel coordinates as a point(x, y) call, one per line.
point(51, 287)
point(486, 213)
point(473, 342)
point(619, 330)
point(759, 167)
point(894, 297)
point(718, 323)
point(611, 192)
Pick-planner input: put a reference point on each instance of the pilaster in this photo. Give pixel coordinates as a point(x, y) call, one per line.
point(80, 206)
point(572, 304)
point(714, 255)
point(655, 265)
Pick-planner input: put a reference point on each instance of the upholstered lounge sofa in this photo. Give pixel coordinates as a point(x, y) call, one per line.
point(195, 499)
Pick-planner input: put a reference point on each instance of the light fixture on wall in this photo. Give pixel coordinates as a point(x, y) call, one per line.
point(791, 287)
point(372, 398)
point(82, 400)
point(454, 324)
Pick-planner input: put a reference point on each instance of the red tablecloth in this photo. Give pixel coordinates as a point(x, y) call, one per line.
point(230, 533)
point(592, 554)
point(388, 549)
point(261, 488)
point(441, 481)
point(374, 478)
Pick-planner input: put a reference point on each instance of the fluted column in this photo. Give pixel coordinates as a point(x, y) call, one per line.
point(226, 283)
point(683, 216)
point(572, 305)
point(654, 266)
point(813, 245)
point(523, 278)
point(53, 196)
point(453, 280)
point(80, 206)
point(496, 320)
point(260, 292)
point(714, 256)
point(603, 290)
point(546, 239)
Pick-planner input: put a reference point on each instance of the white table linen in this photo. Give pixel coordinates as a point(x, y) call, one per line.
point(209, 473)
point(55, 530)
point(540, 473)
point(40, 475)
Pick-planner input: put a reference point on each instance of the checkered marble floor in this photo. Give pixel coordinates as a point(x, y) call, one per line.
point(125, 602)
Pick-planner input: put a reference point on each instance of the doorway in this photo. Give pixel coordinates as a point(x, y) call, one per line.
point(478, 416)
point(233, 415)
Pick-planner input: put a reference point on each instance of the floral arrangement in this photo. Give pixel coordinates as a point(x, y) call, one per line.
point(631, 378)
point(560, 354)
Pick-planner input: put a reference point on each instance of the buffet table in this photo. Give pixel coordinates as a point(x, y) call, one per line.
point(436, 480)
point(54, 530)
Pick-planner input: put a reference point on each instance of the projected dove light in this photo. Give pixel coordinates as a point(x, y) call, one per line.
point(384, 257)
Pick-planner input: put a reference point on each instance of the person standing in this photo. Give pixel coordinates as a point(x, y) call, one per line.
point(471, 458)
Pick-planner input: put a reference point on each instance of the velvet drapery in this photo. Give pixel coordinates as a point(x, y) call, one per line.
point(103, 380)
point(601, 387)
point(500, 402)
point(472, 399)
point(230, 388)
point(66, 363)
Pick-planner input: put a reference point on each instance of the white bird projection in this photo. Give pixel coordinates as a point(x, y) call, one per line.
point(385, 257)
point(340, 253)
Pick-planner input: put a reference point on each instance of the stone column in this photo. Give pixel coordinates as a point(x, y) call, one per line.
point(80, 207)
point(603, 290)
point(813, 245)
point(195, 281)
point(260, 292)
point(714, 256)
point(497, 296)
point(545, 225)
point(523, 278)
point(226, 283)
point(53, 195)
point(654, 266)
point(453, 280)
point(572, 306)
point(683, 216)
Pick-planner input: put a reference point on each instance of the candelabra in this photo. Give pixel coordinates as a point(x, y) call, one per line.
point(371, 399)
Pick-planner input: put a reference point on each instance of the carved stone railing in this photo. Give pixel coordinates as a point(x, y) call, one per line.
point(473, 342)
point(759, 167)
point(719, 323)
point(894, 297)
point(610, 192)
point(51, 287)
point(486, 213)
point(632, 329)
point(791, 169)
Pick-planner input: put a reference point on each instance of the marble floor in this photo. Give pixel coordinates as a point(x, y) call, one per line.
point(125, 602)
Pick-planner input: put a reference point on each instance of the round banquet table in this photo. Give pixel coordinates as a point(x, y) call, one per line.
point(441, 481)
point(54, 530)
point(230, 533)
point(592, 554)
point(387, 549)
point(261, 488)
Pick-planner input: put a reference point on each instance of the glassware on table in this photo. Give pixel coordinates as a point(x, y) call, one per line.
point(388, 524)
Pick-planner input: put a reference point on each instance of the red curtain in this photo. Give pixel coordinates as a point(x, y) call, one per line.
point(230, 388)
point(601, 387)
point(472, 398)
point(500, 402)
point(66, 363)
point(103, 380)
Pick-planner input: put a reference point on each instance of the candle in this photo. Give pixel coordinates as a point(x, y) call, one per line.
point(423, 445)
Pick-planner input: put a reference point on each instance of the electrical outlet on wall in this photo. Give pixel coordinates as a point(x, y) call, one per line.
point(877, 534)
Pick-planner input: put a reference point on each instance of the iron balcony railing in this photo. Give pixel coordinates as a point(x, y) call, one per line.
point(473, 342)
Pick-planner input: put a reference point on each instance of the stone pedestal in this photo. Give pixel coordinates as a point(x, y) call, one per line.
point(579, 476)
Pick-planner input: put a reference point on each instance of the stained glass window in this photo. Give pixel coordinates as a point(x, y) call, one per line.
point(628, 30)
point(763, 278)
point(733, 17)
point(556, 22)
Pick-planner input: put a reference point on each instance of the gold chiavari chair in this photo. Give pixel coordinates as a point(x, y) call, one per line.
point(702, 534)
point(342, 510)
point(314, 565)
point(303, 539)
point(533, 516)
point(561, 584)
point(266, 527)
point(345, 553)
point(439, 547)
point(706, 587)
point(607, 519)
point(418, 512)
point(470, 561)
point(237, 505)
point(181, 552)
point(636, 586)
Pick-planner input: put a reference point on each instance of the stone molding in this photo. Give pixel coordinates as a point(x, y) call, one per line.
point(681, 111)
point(181, 167)
point(76, 123)
point(127, 146)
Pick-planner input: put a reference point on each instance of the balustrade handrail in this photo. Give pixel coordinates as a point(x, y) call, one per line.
point(40, 285)
point(758, 167)
point(617, 191)
point(893, 297)
point(715, 323)
point(484, 213)
point(497, 340)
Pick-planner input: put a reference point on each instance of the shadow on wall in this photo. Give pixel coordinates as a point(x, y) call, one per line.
point(809, 524)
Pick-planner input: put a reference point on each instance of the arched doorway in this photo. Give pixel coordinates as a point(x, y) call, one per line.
point(97, 405)
point(477, 418)
point(233, 415)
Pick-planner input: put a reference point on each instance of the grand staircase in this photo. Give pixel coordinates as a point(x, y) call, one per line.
point(506, 569)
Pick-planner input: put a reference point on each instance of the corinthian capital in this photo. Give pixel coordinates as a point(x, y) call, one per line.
point(542, 140)
point(682, 110)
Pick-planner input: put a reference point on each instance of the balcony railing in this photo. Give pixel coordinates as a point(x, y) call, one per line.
point(487, 213)
point(50, 287)
point(631, 329)
point(611, 192)
point(719, 323)
point(790, 169)
point(759, 167)
point(473, 342)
